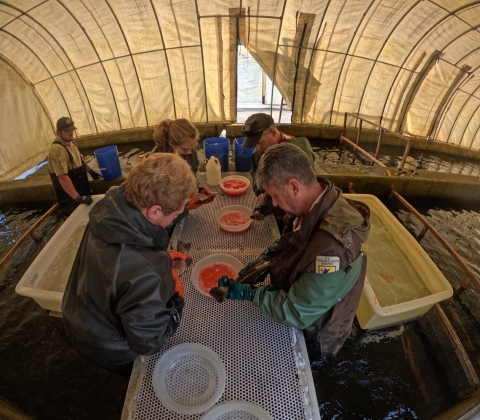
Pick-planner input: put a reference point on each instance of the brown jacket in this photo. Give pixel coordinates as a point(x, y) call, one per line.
point(334, 227)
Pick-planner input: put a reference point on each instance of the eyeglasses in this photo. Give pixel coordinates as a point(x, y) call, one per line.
point(251, 133)
point(189, 149)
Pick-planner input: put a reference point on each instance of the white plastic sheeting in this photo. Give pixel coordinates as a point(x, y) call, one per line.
point(119, 64)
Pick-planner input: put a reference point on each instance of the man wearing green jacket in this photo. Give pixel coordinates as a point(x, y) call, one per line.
point(318, 268)
point(261, 132)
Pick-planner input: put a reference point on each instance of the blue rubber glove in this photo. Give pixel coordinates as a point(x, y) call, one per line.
point(237, 291)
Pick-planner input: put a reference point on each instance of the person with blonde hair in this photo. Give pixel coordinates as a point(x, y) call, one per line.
point(181, 137)
point(178, 136)
point(122, 298)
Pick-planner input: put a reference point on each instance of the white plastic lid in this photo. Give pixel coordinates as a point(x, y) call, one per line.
point(237, 410)
point(189, 378)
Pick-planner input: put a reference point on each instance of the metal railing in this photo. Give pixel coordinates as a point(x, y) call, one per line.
point(26, 235)
point(471, 277)
point(381, 131)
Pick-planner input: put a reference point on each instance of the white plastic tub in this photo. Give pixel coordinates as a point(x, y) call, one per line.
point(45, 282)
point(402, 281)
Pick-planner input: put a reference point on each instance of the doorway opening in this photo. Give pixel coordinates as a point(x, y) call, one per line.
point(254, 91)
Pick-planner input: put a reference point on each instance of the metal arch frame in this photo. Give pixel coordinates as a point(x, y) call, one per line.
point(311, 60)
point(449, 95)
point(182, 50)
point(387, 38)
point(24, 77)
point(128, 55)
point(454, 15)
point(476, 132)
point(459, 113)
point(470, 53)
point(442, 118)
point(70, 61)
point(414, 47)
point(99, 60)
point(275, 58)
point(43, 64)
point(203, 59)
point(466, 126)
point(131, 56)
point(345, 59)
point(21, 13)
point(299, 52)
point(166, 57)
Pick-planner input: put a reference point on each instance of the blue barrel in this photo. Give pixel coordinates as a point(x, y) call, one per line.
point(218, 147)
point(243, 157)
point(108, 162)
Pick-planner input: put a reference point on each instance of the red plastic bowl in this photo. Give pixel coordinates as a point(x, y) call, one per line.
point(234, 184)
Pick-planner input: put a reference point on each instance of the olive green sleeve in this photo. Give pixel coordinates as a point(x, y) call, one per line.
point(255, 159)
point(309, 297)
point(195, 161)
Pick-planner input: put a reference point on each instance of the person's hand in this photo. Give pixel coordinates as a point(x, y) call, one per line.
point(250, 265)
point(84, 199)
point(175, 255)
point(205, 191)
point(265, 209)
point(180, 262)
point(268, 253)
point(94, 175)
point(179, 290)
point(230, 289)
point(204, 196)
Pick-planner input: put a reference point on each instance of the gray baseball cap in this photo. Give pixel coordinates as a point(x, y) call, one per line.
point(254, 127)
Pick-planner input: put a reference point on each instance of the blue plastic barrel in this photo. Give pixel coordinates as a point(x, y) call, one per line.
point(108, 162)
point(218, 147)
point(243, 157)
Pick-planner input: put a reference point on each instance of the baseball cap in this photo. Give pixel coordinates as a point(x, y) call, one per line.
point(65, 124)
point(254, 127)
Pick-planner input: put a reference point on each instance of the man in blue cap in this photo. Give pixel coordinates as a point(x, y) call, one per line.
point(67, 169)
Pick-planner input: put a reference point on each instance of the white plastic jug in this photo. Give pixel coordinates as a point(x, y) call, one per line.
point(214, 171)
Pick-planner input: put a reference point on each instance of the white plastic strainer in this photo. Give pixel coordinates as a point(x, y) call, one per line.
point(237, 410)
point(189, 378)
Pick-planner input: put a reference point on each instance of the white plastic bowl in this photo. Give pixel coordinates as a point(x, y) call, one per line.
point(189, 378)
point(234, 229)
point(234, 191)
point(214, 258)
point(237, 410)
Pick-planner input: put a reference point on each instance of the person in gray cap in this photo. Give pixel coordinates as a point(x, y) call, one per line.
point(67, 169)
point(317, 267)
point(261, 132)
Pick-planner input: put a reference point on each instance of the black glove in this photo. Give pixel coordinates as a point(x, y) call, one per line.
point(84, 199)
point(94, 175)
point(267, 208)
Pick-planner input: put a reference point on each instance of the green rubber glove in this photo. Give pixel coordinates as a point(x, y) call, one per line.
point(237, 291)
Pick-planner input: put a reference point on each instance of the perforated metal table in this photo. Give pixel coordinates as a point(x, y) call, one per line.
point(266, 363)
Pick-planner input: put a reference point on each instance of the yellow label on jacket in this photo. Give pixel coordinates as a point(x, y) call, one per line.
point(326, 264)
